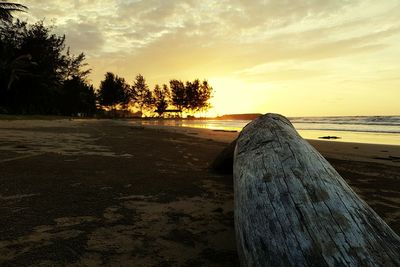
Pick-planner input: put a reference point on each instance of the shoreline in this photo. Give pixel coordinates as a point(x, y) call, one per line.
point(364, 152)
point(317, 134)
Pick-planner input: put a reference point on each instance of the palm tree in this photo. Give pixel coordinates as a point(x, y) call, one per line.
point(17, 68)
point(6, 10)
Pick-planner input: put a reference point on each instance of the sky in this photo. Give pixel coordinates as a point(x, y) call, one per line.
point(293, 57)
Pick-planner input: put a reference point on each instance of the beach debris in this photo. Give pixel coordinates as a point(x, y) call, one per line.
point(225, 131)
point(389, 158)
point(304, 214)
point(329, 137)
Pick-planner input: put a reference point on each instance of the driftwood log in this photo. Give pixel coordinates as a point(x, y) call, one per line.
point(293, 209)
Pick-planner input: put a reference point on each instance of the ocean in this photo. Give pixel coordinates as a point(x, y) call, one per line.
point(358, 129)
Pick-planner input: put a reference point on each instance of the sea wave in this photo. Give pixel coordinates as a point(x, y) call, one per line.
point(351, 130)
point(357, 120)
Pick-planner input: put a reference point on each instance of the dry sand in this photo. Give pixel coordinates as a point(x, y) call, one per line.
point(114, 193)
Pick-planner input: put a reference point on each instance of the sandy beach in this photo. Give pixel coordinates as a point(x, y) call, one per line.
point(116, 193)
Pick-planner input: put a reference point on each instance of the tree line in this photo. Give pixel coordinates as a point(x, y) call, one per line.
point(39, 75)
point(178, 97)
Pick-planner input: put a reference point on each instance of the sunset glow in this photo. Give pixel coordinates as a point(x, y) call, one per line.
point(298, 58)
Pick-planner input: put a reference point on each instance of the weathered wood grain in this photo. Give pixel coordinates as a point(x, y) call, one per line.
point(293, 209)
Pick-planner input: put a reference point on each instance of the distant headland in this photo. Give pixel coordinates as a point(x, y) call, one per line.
point(246, 116)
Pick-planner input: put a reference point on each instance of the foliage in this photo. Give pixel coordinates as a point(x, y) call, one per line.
point(178, 94)
point(113, 91)
point(192, 96)
point(141, 94)
point(34, 64)
point(78, 97)
point(161, 98)
point(198, 95)
point(6, 10)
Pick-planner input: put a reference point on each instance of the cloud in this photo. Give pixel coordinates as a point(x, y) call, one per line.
point(83, 36)
point(226, 37)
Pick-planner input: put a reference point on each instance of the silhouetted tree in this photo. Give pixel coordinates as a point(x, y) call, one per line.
point(74, 66)
point(6, 10)
point(141, 94)
point(192, 96)
point(113, 91)
point(201, 96)
point(77, 97)
point(161, 98)
point(178, 94)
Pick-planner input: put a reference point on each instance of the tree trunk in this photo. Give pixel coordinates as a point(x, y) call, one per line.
point(293, 209)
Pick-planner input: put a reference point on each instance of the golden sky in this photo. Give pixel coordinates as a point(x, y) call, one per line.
point(294, 57)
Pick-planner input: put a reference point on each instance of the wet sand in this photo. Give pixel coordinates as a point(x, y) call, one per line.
point(376, 153)
point(114, 193)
